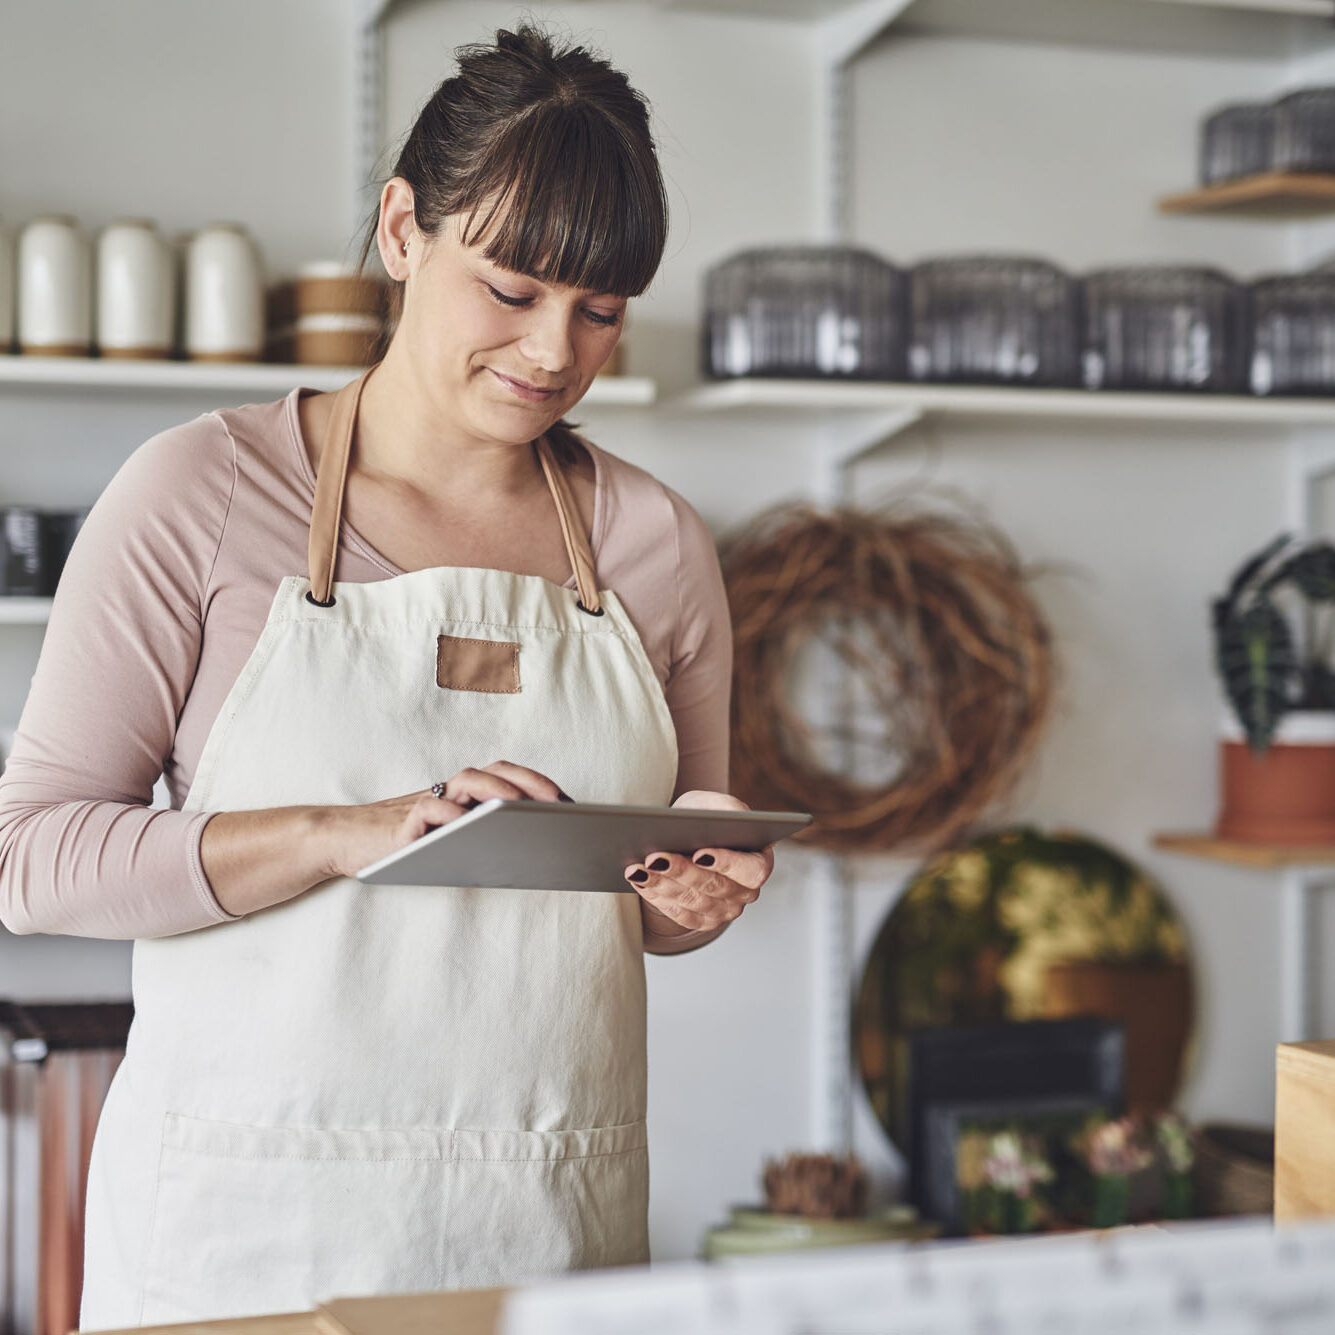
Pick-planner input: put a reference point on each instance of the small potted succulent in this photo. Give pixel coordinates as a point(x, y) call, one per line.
point(998, 1174)
point(1113, 1151)
point(1177, 1155)
point(812, 1200)
point(1273, 630)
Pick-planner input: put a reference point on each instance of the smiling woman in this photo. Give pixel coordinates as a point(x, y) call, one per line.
point(336, 621)
point(547, 201)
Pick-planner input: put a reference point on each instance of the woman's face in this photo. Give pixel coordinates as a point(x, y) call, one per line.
point(478, 334)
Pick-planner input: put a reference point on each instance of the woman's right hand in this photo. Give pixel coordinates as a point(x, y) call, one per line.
point(360, 835)
point(253, 860)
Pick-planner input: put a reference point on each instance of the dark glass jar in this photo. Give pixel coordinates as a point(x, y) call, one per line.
point(819, 311)
point(1293, 333)
point(60, 528)
point(993, 318)
point(1305, 131)
point(22, 552)
point(1164, 327)
point(1237, 141)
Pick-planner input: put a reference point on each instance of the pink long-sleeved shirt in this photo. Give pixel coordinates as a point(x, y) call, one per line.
point(162, 601)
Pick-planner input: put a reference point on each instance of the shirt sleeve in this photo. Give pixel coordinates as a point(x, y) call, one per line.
point(699, 681)
point(700, 674)
point(81, 853)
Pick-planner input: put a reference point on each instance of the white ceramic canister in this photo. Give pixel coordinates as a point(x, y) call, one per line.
point(6, 290)
point(136, 290)
point(55, 288)
point(224, 295)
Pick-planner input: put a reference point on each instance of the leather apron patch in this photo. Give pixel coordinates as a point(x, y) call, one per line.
point(477, 665)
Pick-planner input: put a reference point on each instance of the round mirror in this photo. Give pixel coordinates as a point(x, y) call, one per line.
point(1021, 925)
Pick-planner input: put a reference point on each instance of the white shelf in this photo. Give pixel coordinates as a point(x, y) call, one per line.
point(825, 9)
point(241, 377)
point(821, 397)
point(1318, 9)
point(24, 611)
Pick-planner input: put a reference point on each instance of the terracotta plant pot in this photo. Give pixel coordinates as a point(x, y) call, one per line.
point(1285, 795)
point(1152, 1002)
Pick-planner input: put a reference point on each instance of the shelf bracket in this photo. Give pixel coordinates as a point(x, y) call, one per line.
point(1296, 892)
point(845, 441)
point(839, 40)
point(368, 101)
point(1311, 464)
point(848, 440)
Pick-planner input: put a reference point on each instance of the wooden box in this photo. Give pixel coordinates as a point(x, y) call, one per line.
point(461, 1312)
point(1305, 1130)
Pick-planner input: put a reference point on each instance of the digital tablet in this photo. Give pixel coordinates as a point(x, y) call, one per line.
point(528, 845)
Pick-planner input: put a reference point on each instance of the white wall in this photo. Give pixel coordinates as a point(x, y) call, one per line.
point(189, 113)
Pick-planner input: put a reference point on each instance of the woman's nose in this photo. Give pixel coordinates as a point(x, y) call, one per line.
point(548, 342)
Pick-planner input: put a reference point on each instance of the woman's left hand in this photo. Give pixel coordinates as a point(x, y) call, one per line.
point(712, 887)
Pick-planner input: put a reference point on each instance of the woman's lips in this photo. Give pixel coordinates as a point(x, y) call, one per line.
point(521, 390)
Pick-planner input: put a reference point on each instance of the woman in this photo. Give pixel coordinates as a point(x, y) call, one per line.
point(336, 621)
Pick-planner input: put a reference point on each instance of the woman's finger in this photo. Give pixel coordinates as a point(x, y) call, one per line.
point(751, 869)
point(671, 906)
point(680, 881)
point(478, 785)
point(534, 785)
point(678, 870)
point(429, 812)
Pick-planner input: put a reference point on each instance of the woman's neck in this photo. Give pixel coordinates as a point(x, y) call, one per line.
point(404, 437)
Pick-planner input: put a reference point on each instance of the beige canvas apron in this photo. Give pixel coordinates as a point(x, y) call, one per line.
point(373, 1089)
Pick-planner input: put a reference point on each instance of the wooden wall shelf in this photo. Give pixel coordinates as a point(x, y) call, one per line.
point(1269, 195)
point(1241, 854)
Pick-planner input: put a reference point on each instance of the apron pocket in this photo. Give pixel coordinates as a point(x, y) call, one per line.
point(524, 1204)
point(253, 1219)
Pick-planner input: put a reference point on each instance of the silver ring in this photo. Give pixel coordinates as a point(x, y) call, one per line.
point(437, 790)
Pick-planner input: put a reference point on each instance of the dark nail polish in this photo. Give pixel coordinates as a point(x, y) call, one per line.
point(563, 796)
point(705, 860)
point(659, 864)
point(640, 876)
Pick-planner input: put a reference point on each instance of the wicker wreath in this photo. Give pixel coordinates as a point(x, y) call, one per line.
point(934, 649)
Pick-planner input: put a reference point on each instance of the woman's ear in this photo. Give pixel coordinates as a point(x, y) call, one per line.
point(397, 232)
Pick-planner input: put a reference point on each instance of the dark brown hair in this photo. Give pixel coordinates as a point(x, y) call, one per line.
point(560, 143)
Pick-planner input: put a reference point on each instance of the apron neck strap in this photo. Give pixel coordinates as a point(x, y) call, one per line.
point(331, 482)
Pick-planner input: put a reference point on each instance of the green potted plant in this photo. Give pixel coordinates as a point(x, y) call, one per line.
point(1177, 1156)
point(1113, 1152)
point(1273, 630)
point(998, 1174)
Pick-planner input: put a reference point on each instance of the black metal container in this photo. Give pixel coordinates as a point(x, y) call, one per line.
point(1293, 333)
point(1305, 131)
point(811, 311)
point(1237, 141)
point(22, 552)
point(998, 319)
point(60, 528)
point(1164, 327)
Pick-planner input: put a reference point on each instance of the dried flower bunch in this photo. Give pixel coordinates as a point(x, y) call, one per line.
point(819, 1186)
point(999, 1173)
point(1113, 1148)
point(940, 647)
point(1003, 1160)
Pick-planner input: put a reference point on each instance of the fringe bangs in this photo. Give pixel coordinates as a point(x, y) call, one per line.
point(569, 206)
